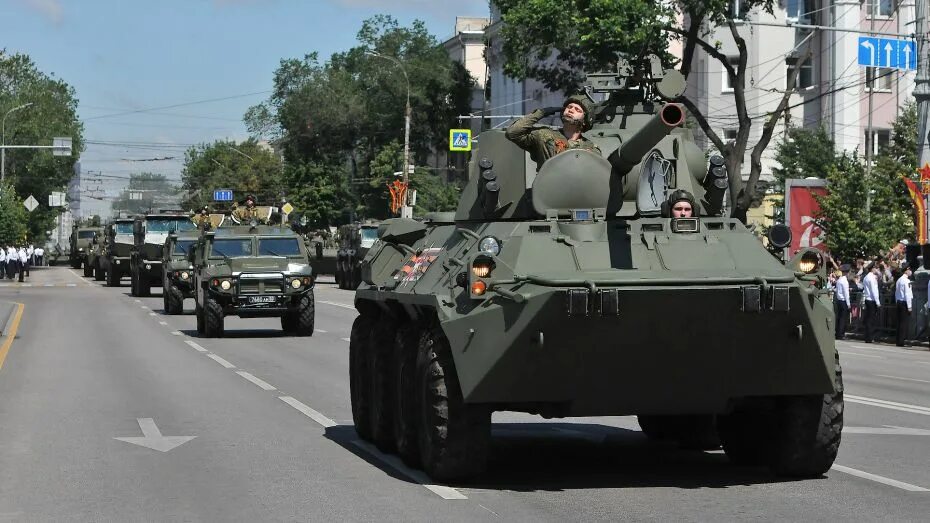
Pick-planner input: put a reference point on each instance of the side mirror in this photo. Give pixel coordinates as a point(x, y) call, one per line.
point(779, 236)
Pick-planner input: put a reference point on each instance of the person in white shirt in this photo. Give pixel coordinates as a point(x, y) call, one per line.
point(841, 302)
point(23, 263)
point(12, 262)
point(40, 253)
point(904, 298)
point(872, 301)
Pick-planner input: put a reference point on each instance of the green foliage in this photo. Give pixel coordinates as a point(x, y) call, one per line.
point(433, 193)
point(12, 217)
point(156, 191)
point(53, 113)
point(245, 167)
point(803, 153)
point(318, 192)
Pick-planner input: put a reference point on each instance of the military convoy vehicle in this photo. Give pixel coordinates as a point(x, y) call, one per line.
point(178, 274)
point(252, 271)
point(569, 291)
point(94, 253)
point(117, 250)
point(81, 240)
point(354, 241)
point(149, 235)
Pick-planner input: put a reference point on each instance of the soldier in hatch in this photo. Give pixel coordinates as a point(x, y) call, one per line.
point(544, 142)
point(245, 213)
point(680, 204)
point(202, 219)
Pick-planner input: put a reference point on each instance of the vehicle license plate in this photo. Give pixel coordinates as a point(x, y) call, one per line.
point(263, 299)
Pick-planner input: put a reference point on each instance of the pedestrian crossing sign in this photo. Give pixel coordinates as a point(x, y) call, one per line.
point(460, 140)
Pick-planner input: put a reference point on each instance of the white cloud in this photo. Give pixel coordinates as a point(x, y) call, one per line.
point(50, 9)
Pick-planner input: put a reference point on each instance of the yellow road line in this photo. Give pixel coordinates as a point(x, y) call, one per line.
point(11, 335)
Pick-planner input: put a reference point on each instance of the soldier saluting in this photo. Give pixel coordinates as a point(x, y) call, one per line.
point(544, 142)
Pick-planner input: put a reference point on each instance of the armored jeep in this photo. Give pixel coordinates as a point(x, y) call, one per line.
point(149, 235)
point(354, 241)
point(94, 253)
point(118, 243)
point(80, 242)
point(178, 274)
point(252, 271)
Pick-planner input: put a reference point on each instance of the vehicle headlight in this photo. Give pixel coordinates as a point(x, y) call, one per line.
point(810, 262)
point(185, 275)
point(148, 267)
point(81, 249)
point(489, 245)
point(225, 285)
point(117, 262)
point(295, 283)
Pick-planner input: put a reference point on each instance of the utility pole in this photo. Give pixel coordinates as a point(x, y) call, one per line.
point(869, 139)
point(922, 86)
point(406, 210)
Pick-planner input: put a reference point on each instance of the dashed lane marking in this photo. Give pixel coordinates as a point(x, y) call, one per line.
point(195, 346)
point(885, 404)
point(221, 361)
point(177, 333)
point(322, 420)
point(264, 385)
point(334, 304)
point(420, 477)
point(163, 323)
point(153, 314)
point(137, 301)
point(320, 331)
point(902, 378)
point(345, 339)
point(880, 479)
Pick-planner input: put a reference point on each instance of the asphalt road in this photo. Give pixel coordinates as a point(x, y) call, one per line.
point(272, 438)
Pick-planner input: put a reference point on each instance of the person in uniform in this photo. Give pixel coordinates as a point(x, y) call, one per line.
point(680, 204)
point(247, 212)
point(12, 262)
point(904, 298)
point(545, 142)
point(202, 219)
point(841, 302)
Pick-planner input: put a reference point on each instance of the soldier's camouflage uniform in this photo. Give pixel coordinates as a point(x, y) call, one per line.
point(245, 214)
point(202, 221)
point(544, 142)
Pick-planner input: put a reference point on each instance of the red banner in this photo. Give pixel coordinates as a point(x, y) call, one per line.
point(919, 207)
point(804, 210)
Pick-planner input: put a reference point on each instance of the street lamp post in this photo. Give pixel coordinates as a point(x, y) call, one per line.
point(406, 210)
point(3, 139)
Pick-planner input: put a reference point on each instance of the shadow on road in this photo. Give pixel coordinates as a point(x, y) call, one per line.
point(244, 333)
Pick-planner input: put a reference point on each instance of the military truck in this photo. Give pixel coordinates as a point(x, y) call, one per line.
point(354, 241)
point(252, 271)
point(570, 291)
point(94, 253)
point(117, 250)
point(80, 242)
point(178, 274)
point(149, 234)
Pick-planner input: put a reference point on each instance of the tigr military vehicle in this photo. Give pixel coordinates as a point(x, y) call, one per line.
point(118, 243)
point(178, 274)
point(149, 235)
point(354, 241)
point(94, 254)
point(81, 238)
point(570, 292)
point(252, 271)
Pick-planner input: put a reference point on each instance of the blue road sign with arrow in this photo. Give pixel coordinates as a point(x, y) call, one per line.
point(887, 52)
point(222, 195)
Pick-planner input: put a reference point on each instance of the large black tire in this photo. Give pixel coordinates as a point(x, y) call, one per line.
point(454, 437)
point(133, 284)
point(99, 273)
point(360, 374)
point(808, 432)
point(201, 323)
point(406, 344)
point(289, 323)
point(746, 435)
point(381, 349)
point(213, 319)
point(112, 277)
point(692, 432)
point(306, 315)
point(75, 263)
point(356, 277)
point(174, 300)
point(338, 277)
point(144, 287)
point(88, 270)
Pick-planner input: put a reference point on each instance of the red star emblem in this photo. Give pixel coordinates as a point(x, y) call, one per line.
point(924, 173)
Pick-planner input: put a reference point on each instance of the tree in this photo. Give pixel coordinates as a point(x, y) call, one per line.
point(433, 193)
point(12, 217)
point(53, 113)
point(155, 191)
point(319, 193)
point(804, 153)
point(246, 168)
point(572, 36)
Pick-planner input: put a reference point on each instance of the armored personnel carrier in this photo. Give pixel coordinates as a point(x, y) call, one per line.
point(252, 271)
point(118, 243)
point(149, 235)
point(178, 274)
point(80, 243)
point(569, 291)
point(354, 240)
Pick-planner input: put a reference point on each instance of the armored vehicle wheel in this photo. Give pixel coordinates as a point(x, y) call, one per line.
point(112, 278)
point(746, 436)
point(381, 350)
point(144, 287)
point(198, 312)
point(99, 273)
point(338, 277)
point(406, 343)
point(288, 323)
point(174, 300)
point(454, 437)
point(807, 431)
point(306, 315)
point(133, 284)
point(88, 270)
point(356, 278)
point(213, 319)
point(75, 264)
point(360, 374)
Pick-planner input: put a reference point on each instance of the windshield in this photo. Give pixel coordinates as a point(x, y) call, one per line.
point(369, 236)
point(182, 246)
point(231, 247)
point(174, 224)
point(123, 228)
point(86, 234)
point(278, 247)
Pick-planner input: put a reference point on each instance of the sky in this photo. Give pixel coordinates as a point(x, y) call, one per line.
point(161, 75)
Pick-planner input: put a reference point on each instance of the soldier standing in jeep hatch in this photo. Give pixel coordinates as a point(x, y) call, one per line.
point(245, 213)
point(544, 142)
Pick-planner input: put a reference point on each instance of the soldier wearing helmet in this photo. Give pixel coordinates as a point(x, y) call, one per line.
point(202, 219)
point(544, 142)
point(245, 213)
point(680, 204)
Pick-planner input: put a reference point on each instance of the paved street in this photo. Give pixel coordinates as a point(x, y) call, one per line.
point(273, 440)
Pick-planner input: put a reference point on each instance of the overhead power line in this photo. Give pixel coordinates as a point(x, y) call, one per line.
point(173, 106)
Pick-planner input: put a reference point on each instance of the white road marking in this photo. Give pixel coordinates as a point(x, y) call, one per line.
point(334, 304)
point(195, 346)
point(345, 339)
point(395, 463)
point(887, 430)
point(856, 354)
point(144, 306)
point(319, 330)
point(261, 384)
point(153, 439)
point(903, 407)
point(307, 411)
point(880, 479)
point(177, 333)
point(26, 285)
point(902, 378)
point(163, 323)
point(152, 314)
point(49, 285)
point(70, 285)
point(138, 301)
point(221, 361)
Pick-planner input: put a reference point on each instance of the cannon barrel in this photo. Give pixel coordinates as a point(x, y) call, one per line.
point(632, 150)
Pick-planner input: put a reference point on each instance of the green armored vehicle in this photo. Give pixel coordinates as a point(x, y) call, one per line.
point(117, 249)
point(149, 235)
point(94, 254)
point(570, 291)
point(354, 241)
point(178, 274)
point(255, 271)
point(81, 241)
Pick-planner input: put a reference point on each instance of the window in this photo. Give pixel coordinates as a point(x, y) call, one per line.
point(86, 234)
point(805, 77)
point(727, 85)
point(278, 247)
point(881, 8)
point(123, 228)
point(800, 11)
point(729, 135)
point(182, 246)
point(169, 225)
point(737, 9)
point(369, 235)
point(880, 140)
point(231, 247)
point(880, 78)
